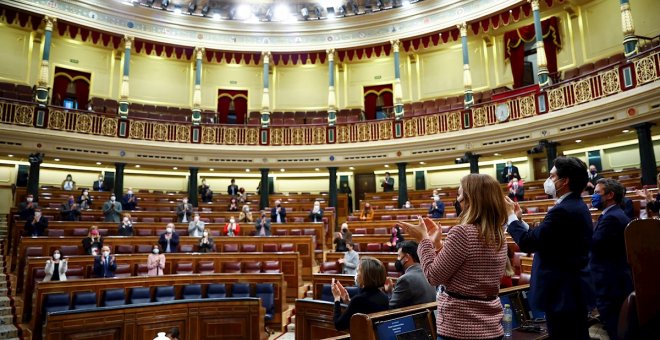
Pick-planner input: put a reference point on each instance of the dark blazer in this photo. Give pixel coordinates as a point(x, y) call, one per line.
point(36, 228)
point(593, 181)
point(368, 301)
point(126, 205)
point(388, 184)
point(560, 279)
point(100, 186)
point(182, 210)
point(273, 214)
point(174, 242)
point(99, 270)
point(316, 217)
point(438, 211)
point(232, 189)
point(506, 176)
point(627, 206)
point(27, 212)
point(608, 262)
point(412, 288)
point(125, 230)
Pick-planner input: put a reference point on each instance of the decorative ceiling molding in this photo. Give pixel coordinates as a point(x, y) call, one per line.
point(424, 18)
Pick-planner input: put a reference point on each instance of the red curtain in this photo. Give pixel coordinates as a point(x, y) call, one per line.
point(371, 94)
point(80, 80)
point(240, 99)
point(514, 42)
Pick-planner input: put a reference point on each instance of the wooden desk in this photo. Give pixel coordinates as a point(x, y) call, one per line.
point(196, 319)
point(314, 320)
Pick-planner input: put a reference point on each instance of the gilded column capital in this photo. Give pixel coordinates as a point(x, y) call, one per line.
point(331, 54)
point(395, 45)
point(50, 21)
point(535, 4)
point(266, 55)
point(199, 52)
point(128, 42)
point(463, 28)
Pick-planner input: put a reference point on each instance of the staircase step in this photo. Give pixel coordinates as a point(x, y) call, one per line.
point(6, 319)
point(8, 332)
point(4, 301)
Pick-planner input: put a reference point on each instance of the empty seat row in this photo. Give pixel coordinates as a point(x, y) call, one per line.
point(57, 302)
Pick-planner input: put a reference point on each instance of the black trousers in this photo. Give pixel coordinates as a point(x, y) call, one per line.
point(569, 325)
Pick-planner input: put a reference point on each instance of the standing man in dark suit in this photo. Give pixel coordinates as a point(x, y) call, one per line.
point(278, 213)
point(387, 183)
point(26, 209)
point(100, 185)
point(608, 262)
point(411, 288)
point(509, 172)
point(594, 176)
point(105, 264)
point(561, 283)
point(184, 210)
point(232, 189)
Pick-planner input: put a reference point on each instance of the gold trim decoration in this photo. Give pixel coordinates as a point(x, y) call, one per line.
point(556, 99)
point(231, 136)
point(252, 136)
point(645, 69)
point(277, 136)
point(318, 135)
point(343, 134)
point(84, 123)
point(109, 126)
point(431, 124)
point(160, 132)
point(136, 130)
point(527, 106)
point(298, 136)
point(24, 115)
point(409, 127)
point(479, 116)
point(385, 129)
point(364, 132)
point(56, 120)
point(610, 81)
point(582, 91)
point(183, 133)
point(208, 135)
point(454, 121)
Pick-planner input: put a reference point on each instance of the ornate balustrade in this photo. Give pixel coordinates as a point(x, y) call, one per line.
point(602, 83)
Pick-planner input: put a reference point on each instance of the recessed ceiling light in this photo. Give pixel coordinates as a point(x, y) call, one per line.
point(578, 140)
point(11, 155)
point(316, 169)
point(211, 169)
point(137, 165)
point(625, 131)
point(387, 165)
point(351, 168)
point(98, 163)
point(281, 170)
point(56, 159)
point(175, 168)
point(247, 170)
point(497, 154)
point(422, 163)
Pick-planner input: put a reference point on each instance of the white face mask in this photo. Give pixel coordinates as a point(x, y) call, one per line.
point(56, 256)
point(168, 230)
point(407, 205)
point(156, 251)
point(205, 234)
point(196, 218)
point(37, 214)
point(29, 199)
point(130, 192)
point(185, 201)
point(112, 198)
point(232, 220)
point(549, 187)
point(85, 193)
point(106, 253)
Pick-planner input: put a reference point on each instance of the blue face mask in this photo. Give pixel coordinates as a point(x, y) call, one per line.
point(596, 201)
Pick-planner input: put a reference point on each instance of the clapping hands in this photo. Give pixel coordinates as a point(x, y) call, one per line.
point(339, 292)
point(513, 207)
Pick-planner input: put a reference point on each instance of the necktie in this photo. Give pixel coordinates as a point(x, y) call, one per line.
point(105, 267)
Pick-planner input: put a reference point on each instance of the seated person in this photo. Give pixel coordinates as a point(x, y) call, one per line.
point(100, 185)
point(36, 225)
point(126, 226)
point(233, 205)
point(85, 201)
point(407, 205)
point(196, 227)
point(129, 201)
point(206, 244)
point(70, 210)
point(242, 195)
point(68, 184)
point(316, 215)
point(370, 279)
point(169, 240)
point(105, 264)
point(263, 225)
point(516, 189)
point(395, 238)
point(652, 205)
point(411, 288)
point(367, 214)
point(205, 192)
point(112, 210)
point(278, 213)
point(155, 262)
point(437, 209)
point(93, 242)
point(183, 210)
point(339, 242)
point(232, 228)
point(350, 260)
point(55, 268)
point(245, 215)
point(26, 209)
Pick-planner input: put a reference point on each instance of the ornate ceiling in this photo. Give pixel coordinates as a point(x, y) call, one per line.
point(174, 25)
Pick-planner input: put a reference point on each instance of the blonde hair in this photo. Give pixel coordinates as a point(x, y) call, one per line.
point(485, 208)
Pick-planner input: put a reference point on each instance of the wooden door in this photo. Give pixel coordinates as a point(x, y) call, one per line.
point(541, 170)
point(364, 183)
